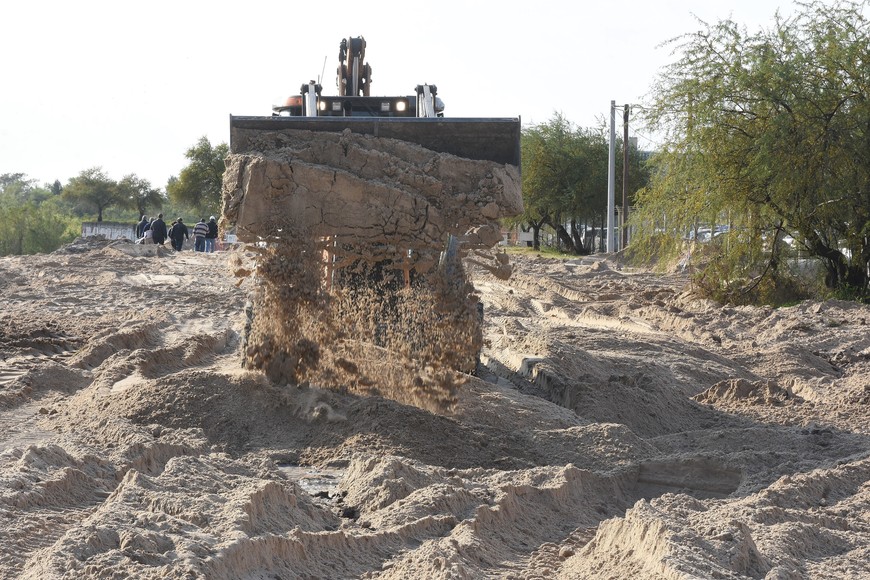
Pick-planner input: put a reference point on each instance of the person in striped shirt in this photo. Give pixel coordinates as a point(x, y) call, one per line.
point(200, 230)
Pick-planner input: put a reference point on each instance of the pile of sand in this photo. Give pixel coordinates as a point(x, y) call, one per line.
point(617, 427)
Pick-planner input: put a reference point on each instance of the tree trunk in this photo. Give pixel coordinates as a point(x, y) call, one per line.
point(834, 260)
point(582, 243)
point(576, 238)
point(536, 232)
point(856, 277)
point(840, 273)
point(565, 238)
point(562, 235)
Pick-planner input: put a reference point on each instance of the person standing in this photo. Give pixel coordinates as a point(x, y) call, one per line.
point(158, 230)
point(141, 227)
point(178, 234)
point(200, 231)
point(212, 235)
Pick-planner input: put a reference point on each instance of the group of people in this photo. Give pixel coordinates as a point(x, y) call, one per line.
point(155, 231)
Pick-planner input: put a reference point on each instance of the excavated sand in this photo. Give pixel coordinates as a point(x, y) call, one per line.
point(618, 427)
point(355, 225)
point(371, 337)
point(372, 190)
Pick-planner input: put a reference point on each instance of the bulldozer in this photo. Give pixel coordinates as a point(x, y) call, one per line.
point(363, 211)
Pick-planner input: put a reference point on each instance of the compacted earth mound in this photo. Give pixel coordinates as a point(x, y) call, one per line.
point(616, 426)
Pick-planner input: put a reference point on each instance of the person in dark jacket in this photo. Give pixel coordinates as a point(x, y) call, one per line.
point(158, 230)
point(178, 234)
point(141, 227)
point(211, 236)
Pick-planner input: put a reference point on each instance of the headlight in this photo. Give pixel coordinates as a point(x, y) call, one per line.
point(321, 105)
point(401, 106)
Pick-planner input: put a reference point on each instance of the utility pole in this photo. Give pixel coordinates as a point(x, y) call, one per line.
point(611, 174)
point(625, 179)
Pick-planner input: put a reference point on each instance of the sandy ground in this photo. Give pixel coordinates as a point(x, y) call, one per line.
point(617, 427)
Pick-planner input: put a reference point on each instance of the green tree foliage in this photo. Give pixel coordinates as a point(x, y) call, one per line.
point(13, 183)
point(769, 134)
point(17, 187)
point(199, 184)
point(565, 180)
point(139, 194)
point(31, 221)
point(30, 228)
point(94, 191)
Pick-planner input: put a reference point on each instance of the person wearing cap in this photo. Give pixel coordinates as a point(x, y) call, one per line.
point(212, 234)
point(199, 232)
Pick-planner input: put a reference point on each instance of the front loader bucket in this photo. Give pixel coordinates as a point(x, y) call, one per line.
point(496, 139)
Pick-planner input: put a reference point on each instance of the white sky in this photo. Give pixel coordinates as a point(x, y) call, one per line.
point(130, 86)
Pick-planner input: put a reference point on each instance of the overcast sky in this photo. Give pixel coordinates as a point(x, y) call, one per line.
point(130, 86)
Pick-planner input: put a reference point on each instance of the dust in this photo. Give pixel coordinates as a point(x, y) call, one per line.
point(360, 242)
point(360, 328)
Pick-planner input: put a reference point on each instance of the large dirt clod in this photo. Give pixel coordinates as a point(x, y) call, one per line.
point(372, 190)
point(352, 266)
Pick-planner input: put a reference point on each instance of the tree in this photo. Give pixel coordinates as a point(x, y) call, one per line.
point(139, 193)
point(29, 225)
point(10, 180)
point(767, 134)
point(539, 203)
point(28, 228)
point(17, 187)
point(199, 183)
point(95, 191)
point(565, 180)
